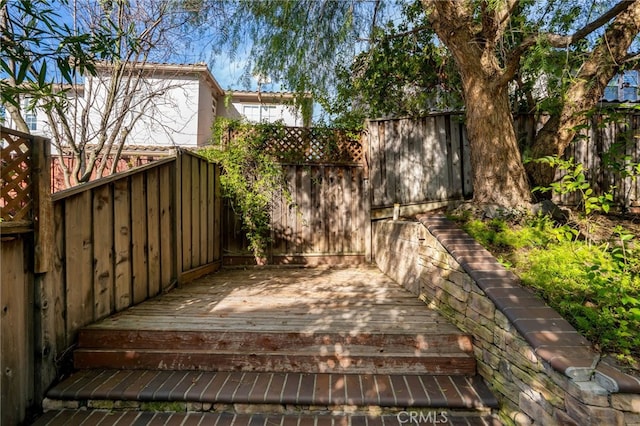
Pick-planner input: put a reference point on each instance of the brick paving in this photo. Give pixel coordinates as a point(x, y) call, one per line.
point(386, 390)
point(126, 418)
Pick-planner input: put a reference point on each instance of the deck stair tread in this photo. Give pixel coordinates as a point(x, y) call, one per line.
point(319, 351)
point(357, 361)
point(385, 390)
point(443, 340)
point(75, 417)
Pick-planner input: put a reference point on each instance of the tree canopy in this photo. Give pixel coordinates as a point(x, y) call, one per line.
point(52, 51)
point(556, 56)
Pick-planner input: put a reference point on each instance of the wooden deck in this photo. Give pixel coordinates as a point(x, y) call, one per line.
point(350, 301)
point(325, 320)
point(274, 346)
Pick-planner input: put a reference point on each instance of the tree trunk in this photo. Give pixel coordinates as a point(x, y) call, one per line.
point(17, 118)
point(498, 173)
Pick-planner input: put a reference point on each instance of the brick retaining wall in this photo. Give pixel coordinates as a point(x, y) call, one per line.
point(541, 369)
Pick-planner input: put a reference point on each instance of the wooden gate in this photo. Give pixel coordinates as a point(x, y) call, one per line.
point(327, 220)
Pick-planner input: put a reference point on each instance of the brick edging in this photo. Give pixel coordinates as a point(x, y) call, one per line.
point(552, 338)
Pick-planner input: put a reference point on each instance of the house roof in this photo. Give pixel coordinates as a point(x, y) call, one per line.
point(262, 97)
point(199, 69)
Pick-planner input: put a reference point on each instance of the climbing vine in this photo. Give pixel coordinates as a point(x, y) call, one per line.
point(252, 178)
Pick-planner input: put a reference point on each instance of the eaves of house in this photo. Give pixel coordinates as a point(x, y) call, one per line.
point(172, 70)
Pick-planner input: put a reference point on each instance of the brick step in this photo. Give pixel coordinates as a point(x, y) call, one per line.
point(266, 340)
point(142, 418)
point(358, 359)
point(86, 387)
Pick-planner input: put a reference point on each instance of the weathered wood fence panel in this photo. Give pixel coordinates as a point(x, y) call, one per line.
point(24, 200)
point(418, 162)
point(110, 244)
point(325, 222)
point(326, 219)
point(198, 231)
point(599, 141)
point(605, 134)
point(16, 324)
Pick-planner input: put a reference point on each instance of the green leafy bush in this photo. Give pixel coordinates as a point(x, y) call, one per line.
point(574, 180)
point(596, 287)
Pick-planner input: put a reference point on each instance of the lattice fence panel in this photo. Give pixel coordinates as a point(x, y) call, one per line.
point(309, 145)
point(16, 197)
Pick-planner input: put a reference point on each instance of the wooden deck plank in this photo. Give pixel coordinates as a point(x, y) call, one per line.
point(347, 320)
point(240, 340)
point(350, 302)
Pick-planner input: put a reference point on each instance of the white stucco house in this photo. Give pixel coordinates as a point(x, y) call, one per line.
point(172, 105)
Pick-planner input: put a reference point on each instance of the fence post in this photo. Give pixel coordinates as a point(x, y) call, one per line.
point(367, 193)
point(43, 211)
point(178, 215)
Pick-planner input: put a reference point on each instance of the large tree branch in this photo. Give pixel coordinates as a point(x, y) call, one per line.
point(586, 89)
point(495, 20)
point(512, 64)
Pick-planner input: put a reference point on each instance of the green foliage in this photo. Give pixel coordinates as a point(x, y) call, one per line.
point(40, 49)
point(251, 177)
point(358, 55)
point(403, 73)
point(575, 181)
point(595, 287)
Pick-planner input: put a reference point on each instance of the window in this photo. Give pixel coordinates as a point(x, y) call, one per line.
point(629, 87)
point(269, 114)
point(251, 112)
point(258, 114)
point(30, 115)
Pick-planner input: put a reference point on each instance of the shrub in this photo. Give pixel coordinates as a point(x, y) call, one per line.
point(596, 287)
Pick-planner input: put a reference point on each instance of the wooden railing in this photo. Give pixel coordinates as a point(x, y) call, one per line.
point(112, 243)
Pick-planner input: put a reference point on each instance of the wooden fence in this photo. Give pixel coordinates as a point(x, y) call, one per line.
point(327, 221)
point(24, 207)
point(327, 218)
point(424, 162)
point(604, 143)
point(113, 243)
point(418, 163)
point(601, 149)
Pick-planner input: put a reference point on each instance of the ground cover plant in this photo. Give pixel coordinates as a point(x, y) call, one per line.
point(591, 278)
